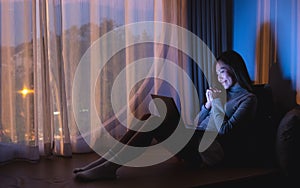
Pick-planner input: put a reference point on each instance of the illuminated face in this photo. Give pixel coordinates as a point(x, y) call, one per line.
point(225, 75)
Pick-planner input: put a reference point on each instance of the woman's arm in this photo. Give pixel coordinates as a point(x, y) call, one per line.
point(210, 94)
point(245, 112)
point(204, 112)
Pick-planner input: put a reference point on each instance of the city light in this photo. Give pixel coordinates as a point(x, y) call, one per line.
point(25, 91)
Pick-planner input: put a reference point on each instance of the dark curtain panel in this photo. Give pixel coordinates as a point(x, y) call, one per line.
point(211, 20)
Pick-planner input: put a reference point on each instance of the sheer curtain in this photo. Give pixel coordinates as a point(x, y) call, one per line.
point(17, 131)
point(42, 43)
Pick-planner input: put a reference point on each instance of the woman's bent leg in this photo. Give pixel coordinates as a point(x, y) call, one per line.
point(190, 153)
point(119, 154)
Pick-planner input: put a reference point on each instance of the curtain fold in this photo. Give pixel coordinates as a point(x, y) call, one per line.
point(56, 79)
point(38, 67)
point(211, 21)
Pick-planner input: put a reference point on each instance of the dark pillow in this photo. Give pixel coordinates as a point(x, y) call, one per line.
point(287, 142)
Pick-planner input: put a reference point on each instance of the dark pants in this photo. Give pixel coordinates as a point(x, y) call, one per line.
point(189, 153)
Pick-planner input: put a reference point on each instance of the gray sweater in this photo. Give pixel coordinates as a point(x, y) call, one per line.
point(238, 111)
point(232, 122)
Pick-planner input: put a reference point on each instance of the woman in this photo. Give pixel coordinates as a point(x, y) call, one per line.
point(240, 108)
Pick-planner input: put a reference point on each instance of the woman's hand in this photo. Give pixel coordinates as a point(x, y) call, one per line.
point(211, 94)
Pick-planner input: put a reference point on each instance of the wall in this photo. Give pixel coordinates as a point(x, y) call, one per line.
point(267, 34)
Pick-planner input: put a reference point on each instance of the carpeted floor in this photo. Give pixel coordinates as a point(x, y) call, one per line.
point(57, 172)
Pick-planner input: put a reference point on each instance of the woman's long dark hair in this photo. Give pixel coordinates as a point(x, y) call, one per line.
point(238, 65)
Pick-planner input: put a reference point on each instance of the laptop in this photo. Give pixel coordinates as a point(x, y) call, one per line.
point(172, 110)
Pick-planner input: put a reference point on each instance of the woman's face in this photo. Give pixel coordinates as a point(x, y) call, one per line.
point(225, 75)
